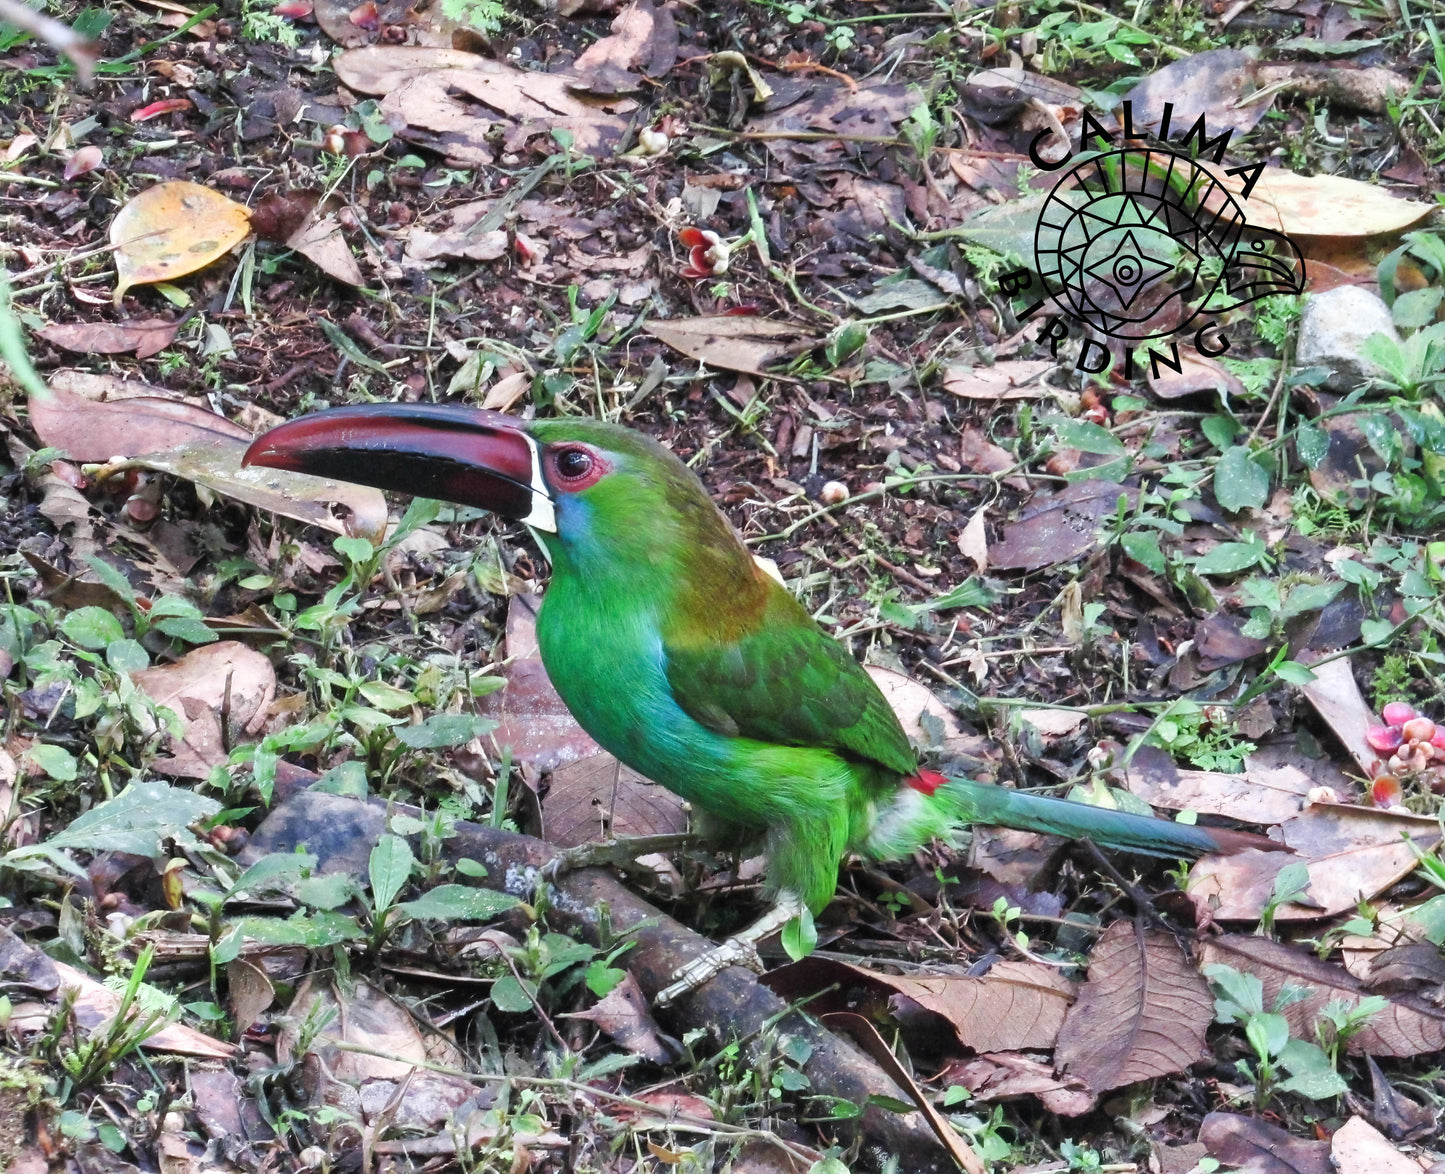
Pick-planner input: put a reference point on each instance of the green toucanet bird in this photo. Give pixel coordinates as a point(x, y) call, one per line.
point(683, 658)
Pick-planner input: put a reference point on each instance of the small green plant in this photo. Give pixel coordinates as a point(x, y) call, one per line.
point(1276, 317)
point(260, 23)
point(1203, 735)
point(1239, 1000)
point(1273, 603)
point(481, 15)
point(1290, 885)
point(91, 1056)
point(1394, 680)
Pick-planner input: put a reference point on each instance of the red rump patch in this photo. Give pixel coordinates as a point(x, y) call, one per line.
point(926, 781)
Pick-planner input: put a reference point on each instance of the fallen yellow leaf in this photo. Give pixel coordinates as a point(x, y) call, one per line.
point(173, 229)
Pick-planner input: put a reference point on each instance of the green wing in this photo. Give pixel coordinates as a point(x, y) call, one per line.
point(785, 681)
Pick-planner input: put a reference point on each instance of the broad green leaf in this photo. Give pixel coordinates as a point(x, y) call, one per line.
point(1417, 308)
point(93, 628)
point(1310, 1072)
point(270, 872)
point(112, 578)
point(187, 628)
point(56, 761)
point(602, 979)
point(387, 697)
point(800, 936)
point(511, 996)
point(1294, 673)
point(327, 892)
point(366, 719)
point(1089, 437)
point(1143, 547)
point(389, 868)
point(459, 903)
point(1376, 631)
point(444, 730)
point(353, 550)
point(1239, 483)
point(137, 820)
point(1313, 444)
point(1229, 558)
point(1220, 431)
point(127, 656)
point(972, 592)
point(313, 931)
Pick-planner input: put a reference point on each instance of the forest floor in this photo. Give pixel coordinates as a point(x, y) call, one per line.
point(1206, 592)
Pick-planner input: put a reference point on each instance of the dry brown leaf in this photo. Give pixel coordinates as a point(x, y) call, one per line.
point(1216, 84)
point(1257, 1147)
point(733, 343)
point(1358, 1145)
point(1004, 1075)
point(249, 993)
point(1409, 1026)
point(422, 245)
point(1012, 379)
point(910, 700)
point(319, 240)
point(1325, 205)
point(507, 390)
point(145, 338)
point(370, 1038)
point(224, 681)
point(866, 1035)
point(173, 229)
point(1016, 1005)
point(1143, 1012)
point(1352, 854)
point(973, 540)
point(421, 85)
point(1059, 528)
point(173, 437)
point(1054, 723)
point(597, 797)
point(1264, 793)
point(625, 1016)
point(606, 65)
point(1199, 373)
point(368, 1018)
point(1337, 699)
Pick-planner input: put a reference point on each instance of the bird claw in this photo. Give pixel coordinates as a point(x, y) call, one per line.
point(707, 966)
point(622, 852)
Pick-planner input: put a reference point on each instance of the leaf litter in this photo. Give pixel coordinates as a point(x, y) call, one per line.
point(1140, 1011)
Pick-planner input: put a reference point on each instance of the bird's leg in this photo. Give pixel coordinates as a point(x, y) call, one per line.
point(621, 851)
point(739, 950)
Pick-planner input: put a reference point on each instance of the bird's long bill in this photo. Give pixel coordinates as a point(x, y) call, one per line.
point(448, 451)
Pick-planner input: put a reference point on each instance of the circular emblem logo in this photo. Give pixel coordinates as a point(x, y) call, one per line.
point(1126, 236)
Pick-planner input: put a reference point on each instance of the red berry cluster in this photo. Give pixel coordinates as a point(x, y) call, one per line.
point(1414, 744)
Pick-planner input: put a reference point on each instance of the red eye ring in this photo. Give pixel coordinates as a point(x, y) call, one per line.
point(575, 467)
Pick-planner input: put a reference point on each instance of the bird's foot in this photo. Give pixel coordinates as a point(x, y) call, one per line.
point(741, 950)
point(707, 966)
point(621, 852)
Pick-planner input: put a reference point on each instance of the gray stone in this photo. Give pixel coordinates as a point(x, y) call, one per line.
point(1334, 327)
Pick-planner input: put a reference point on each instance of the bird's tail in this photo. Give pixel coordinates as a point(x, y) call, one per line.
point(934, 806)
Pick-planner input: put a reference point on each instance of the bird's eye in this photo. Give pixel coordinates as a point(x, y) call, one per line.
point(573, 463)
